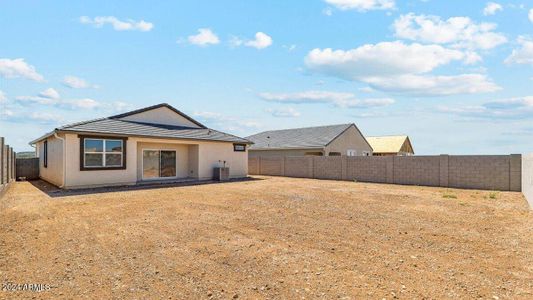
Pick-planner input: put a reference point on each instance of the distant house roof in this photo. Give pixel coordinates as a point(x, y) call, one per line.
point(390, 144)
point(115, 126)
point(297, 138)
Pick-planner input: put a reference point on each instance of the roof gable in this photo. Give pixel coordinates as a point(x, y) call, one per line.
point(390, 144)
point(297, 138)
point(163, 114)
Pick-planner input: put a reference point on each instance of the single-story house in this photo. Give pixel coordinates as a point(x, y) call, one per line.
point(394, 145)
point(331, 140)
point(156, 143)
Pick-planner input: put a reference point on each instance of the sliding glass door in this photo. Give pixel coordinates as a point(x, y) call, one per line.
point(159, 164)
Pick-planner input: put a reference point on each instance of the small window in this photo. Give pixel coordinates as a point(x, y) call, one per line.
point(334, 154)
point(102, 153)
point(366, 153)
point(351, 152)
point(45, 154)
point(239, 147)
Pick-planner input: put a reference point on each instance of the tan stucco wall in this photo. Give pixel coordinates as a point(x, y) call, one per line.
point(202, 163)
point(182, 157)
point(350, 139)
point(161, 115)
point(53, 173)
point(288, 152)
point(210, 153)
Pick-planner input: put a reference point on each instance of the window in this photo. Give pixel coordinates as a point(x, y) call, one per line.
point(351, 152)
point(102, 153)
point(239, 147)
point(45, 154)
point(366, 153)
point(334, 154)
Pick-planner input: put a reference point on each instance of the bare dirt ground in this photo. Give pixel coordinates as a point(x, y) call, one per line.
point(272, 238)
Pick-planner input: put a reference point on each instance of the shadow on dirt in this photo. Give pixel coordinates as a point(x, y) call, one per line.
point(56, 192)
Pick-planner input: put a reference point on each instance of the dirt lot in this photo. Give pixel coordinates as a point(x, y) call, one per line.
point(267, 238)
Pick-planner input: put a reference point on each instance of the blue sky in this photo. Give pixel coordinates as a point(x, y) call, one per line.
point(456, 76)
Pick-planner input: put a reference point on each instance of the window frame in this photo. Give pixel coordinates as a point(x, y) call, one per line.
point(123, 153)
point(237, 145)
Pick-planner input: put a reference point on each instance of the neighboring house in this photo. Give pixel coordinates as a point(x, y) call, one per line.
point(395, 145)
point(150, 144)
point(332, 140)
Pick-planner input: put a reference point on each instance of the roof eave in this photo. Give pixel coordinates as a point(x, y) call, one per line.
point(146, 136)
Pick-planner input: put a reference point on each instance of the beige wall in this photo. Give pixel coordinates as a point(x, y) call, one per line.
point(349, 139)
point(53, 173)
point(199, 156)
point(210, 153)
point(491, 172)
point(162, 115)
point(527, 177)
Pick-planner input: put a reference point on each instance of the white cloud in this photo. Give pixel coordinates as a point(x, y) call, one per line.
point(117, 24)
point(46, 118)
point(226, 122)
point(430, 85)
point(85, 103)
point(204, 38)
point(362, 5)
point(18, 68)
point(261, 41)
point(339, 99)
point(3, 97)
point(77, 83)
point(459, 32)
point(522, 55)
point(511, 108)
point(385, 58)
point(36, 99)
point(49, 93)
point(491, 8)
point(530, 15)
point(400, 68)
point(284, 112)
point(327, 11)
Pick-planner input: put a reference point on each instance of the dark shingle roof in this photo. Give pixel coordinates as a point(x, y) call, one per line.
point(113, 125)
point(299, 138)
point(123, 127)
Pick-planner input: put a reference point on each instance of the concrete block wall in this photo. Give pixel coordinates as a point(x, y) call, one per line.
point(366, 169)
point(417, 170)
point(490, 172)
point(299, 166)
point(327, 167)
point(7, 166)
point(253, 165)
point(271, 166)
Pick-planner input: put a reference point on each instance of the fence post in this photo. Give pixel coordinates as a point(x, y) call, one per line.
point(8, 164)
point(14, 166)
point(515, 173)
point(444, 170)
point(390, 169)
point(2, 158)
